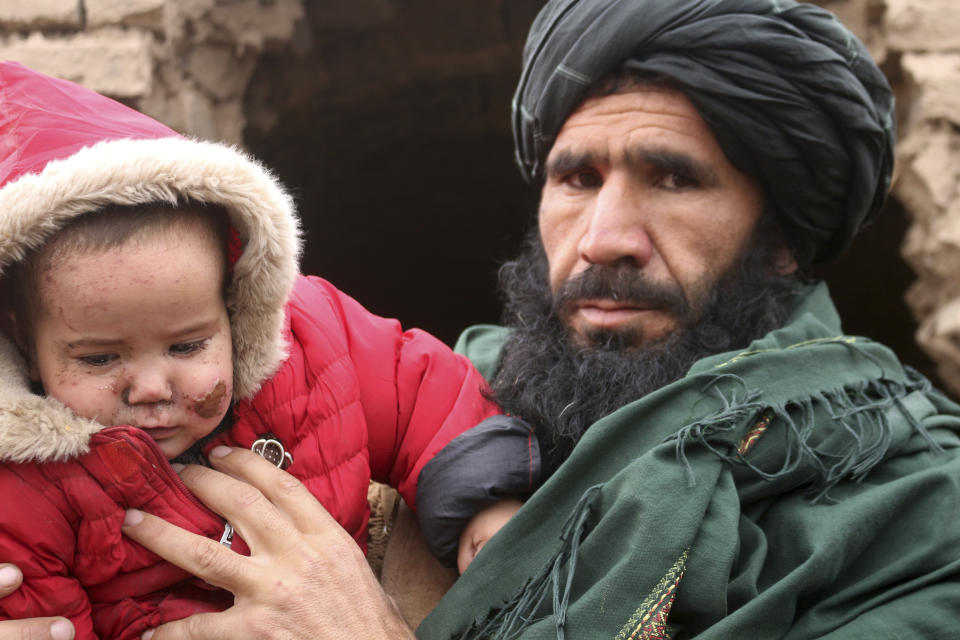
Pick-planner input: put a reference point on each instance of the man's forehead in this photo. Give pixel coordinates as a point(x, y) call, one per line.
point(667, 102)
point(664, 110)
point(639, 125)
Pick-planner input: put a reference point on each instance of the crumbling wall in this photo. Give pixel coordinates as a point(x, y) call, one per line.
point(924, 38)
point(917, 44)
point(185, 62)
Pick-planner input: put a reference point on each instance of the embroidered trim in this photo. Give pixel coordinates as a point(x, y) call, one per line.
point(649, 621)
point(755, 432)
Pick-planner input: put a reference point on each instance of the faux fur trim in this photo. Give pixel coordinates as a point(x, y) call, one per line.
point(35, 206)
point(33, 427)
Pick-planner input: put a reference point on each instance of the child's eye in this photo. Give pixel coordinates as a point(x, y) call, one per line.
point(97, 360)
point(186, 348)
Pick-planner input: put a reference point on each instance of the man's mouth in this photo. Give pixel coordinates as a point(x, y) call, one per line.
point(607, 313)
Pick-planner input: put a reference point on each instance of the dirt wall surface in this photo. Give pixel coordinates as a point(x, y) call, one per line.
point(924, 35)
point(390, 121)
point(185, 62)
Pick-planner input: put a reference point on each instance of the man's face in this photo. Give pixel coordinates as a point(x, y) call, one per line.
point(639, 192)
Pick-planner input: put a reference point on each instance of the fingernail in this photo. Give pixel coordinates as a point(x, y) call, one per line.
point(219, 451)
point(177, 466)
point(132, 517)
point(146, 635)
point(61, 630)
point(8, 576)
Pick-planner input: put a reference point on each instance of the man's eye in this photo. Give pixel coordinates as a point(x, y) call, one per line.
point(679, 181)
point(98, 360)
point(584, 179)
point(186, 348)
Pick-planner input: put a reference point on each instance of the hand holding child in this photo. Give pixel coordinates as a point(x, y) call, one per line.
point(31, 628)
point(305, 578)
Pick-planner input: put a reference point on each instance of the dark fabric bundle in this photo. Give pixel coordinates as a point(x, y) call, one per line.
point(792, 96)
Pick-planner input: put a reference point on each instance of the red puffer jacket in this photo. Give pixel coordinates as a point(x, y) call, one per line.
point(357, 399)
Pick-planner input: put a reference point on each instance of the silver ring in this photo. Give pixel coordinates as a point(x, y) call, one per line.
point(227, 538)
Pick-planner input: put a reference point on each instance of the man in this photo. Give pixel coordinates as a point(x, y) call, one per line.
point(725, 461)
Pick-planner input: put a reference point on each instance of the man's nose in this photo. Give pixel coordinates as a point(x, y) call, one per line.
point(617, 228)
point(148, 384)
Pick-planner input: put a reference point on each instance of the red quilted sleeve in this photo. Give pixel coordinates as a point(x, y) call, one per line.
point(37, 537)
point(417, 395)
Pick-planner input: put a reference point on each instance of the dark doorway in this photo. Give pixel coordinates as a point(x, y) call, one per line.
point(395, 137)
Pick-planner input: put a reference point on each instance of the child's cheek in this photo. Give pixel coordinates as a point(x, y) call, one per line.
point(208, 405)
point(112, 388)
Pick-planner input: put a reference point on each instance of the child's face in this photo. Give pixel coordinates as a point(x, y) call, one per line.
point(139, 335)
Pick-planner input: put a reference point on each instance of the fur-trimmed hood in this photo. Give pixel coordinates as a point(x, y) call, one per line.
point(66, 151)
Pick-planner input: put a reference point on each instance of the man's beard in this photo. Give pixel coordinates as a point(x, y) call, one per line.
point(549, 378)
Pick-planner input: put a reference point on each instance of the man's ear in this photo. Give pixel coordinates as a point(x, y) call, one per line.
point(784, 263)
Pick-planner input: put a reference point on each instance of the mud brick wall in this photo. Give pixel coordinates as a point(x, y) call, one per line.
point(187, 62)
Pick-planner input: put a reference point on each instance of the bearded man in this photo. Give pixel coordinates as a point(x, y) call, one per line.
point(723, 460)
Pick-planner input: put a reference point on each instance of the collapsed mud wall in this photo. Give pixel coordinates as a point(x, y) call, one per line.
point(389, 120)
point(923, 39)
point(185, 62)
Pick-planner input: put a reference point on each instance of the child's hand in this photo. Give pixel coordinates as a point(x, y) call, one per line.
point(482, 527)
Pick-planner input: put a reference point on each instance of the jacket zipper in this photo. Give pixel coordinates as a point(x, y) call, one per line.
point(164, 466)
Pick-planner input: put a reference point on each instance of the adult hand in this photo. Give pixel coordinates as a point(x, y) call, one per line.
point(305, 576)
point(30, 628)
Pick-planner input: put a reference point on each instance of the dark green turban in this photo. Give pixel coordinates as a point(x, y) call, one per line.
point(792, 96)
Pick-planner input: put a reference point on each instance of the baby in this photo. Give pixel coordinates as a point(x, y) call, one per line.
point(153, 310)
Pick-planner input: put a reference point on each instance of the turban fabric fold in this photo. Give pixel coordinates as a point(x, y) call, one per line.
point(791, 95)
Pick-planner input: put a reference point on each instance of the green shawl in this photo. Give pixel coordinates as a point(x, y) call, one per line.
point(806, 487)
